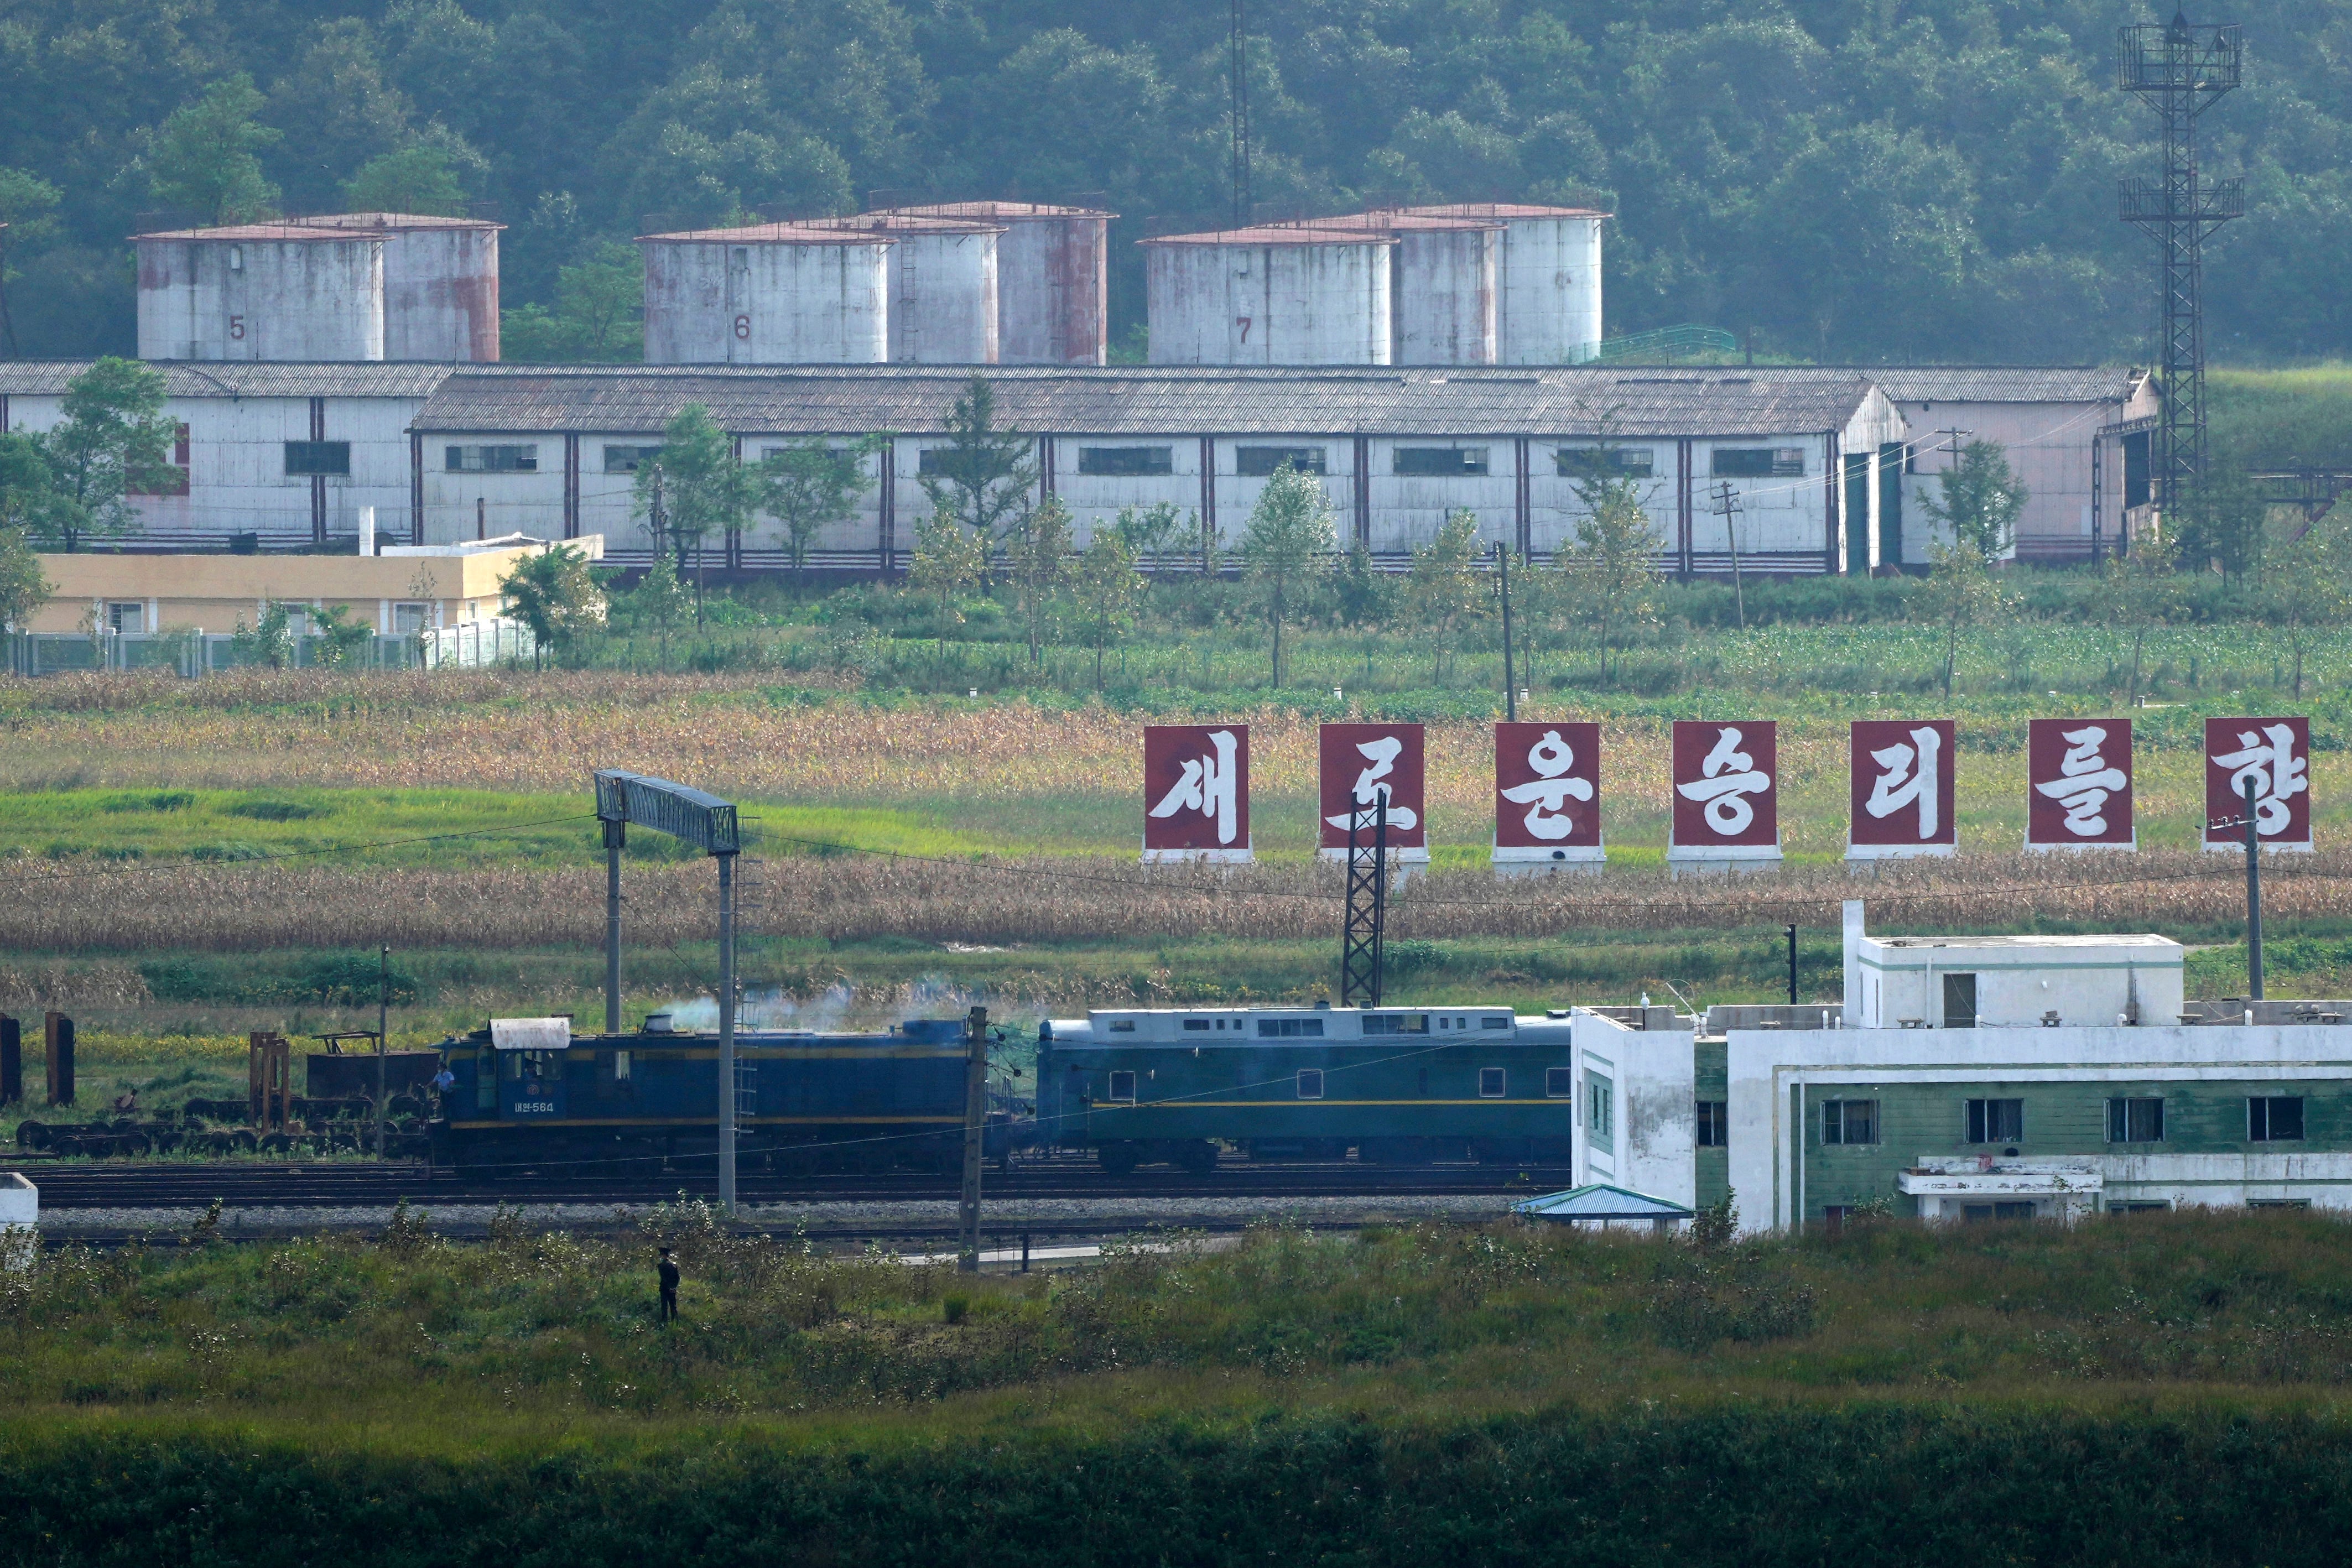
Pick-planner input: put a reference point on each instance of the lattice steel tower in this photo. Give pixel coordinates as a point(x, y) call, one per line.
point(2181, 71)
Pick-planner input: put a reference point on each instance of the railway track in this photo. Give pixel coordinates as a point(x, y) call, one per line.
point(243, 1183)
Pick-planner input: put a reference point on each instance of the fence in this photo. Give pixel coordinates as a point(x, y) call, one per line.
point(191, 654)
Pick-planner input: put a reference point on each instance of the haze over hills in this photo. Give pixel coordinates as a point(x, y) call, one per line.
point(1914, 181)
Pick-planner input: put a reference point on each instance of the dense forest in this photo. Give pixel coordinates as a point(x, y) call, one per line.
point(1857, 179)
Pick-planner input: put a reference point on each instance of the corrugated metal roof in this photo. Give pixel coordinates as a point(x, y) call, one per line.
point(391, 221)
point(767, 234)
point(1507, 210)
point(303, 233)
point(1152, 399)
point(2005, 384)
point(1600, 1201)
point(1277, 234)
point(47, 378)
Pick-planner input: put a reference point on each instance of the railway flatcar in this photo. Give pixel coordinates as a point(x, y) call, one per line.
point(1390, 1085)
point(530, 1095)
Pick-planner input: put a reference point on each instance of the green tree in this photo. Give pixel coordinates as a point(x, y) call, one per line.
point(2309, 595)
point(812, 484)
point(27, 203)
point(1606, 576)
point(2222, 520)
point(1037, 558)
point(1154, 531)
point(659, 603)
point(269, 641)
point(419, 178)
point(694, 490)
point(949, 560)
point(2136, 592)
point(203, 159)
point(27, 487)
point(983, 476)
point(1446, 591)
point(23, 586)
point(555, 594)
point(1963, 590)
point(1981, 501)
point(599, 315)
point(1107, 591)
point(337, 636)
point(1286, 549)
point(114, 440)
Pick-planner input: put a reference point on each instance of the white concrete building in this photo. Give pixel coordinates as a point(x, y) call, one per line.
point(2009, 982)
point(1634, 1089)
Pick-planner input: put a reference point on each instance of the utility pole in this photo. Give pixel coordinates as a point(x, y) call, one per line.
point(617, 839)
point(1792, 966)
point(1238, 66)
point(731, 1093)
point(1726, 507)
point(2253, 899)
point(975, 1122)
point(2179, 72)
point(8, 326)
point(1510, 680)
point(382, 1010)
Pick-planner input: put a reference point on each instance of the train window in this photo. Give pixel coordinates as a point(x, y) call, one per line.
point(1311, 1083)
point(1490, 1083)
point(1289, 1029)
point(1196, 1023)
point(1559, 1082)
point(1493, 1023)
point(1396, 1023)
point(1122, 1087)
point(1122, 1026)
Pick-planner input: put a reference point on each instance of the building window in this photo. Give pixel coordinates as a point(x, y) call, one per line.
point(1127, 462)
point(1996, 1121)
point(1849, 1121)
point(1609, 461)
point(492, 460)
point(1396, 1023)
point(1439, 462)
point(130, 616)
point(2141, 1206)
point(2136, 1120)
point(1200, 1024)
point(332, 458)
point(1311, 1083)
point(1981, 1213)
point(1559, 1082)
point(1260, 462)
point(1122, 1026)
point(1760, 463)
point(2273, 1118)
point(2278, 1203)
point(408, 620)
point(1714, 1124)
point(1959, 1002)
point(1289, 1029)
point(1122, 1088)
point(1600, 1108)
point(1494, 1020)
point(628, 459)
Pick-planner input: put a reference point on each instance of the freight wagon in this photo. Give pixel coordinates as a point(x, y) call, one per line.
point(530, 1095)
point(1395, 1085)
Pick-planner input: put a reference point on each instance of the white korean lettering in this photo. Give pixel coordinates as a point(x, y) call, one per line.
point(1909, 779)
point(1207, 784)
point(1727, 777)
point(1381, 755)
point(1546, 796)
point(2268, 759)
point(2085, 780)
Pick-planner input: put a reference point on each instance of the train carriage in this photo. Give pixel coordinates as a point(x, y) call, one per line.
point(1393, 1085)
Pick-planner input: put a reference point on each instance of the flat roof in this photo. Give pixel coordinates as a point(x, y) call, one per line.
point(766, 234)
point(1276, 235)
point(287, 233)
point(997, 211)
point(1509, 210)
point(2140, 939)
point(393, 221)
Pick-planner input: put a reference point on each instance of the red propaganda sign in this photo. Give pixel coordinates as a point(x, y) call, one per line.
point(1901, 789)
point(2273, 755)
point(2078, 784)
point(1365, 760)
point(1547, 789)
point(1196, 792)
point(1727, 784)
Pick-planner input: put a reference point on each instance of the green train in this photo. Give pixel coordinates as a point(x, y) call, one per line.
point(1388, 1085)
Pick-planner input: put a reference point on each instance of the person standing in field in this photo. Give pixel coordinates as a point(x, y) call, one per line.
point(666, 1269)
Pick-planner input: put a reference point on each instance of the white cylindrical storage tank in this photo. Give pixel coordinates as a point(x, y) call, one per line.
point(261, 291)
point(1052, 279)
point(440, 284)
point(1270, 296)
point(1549, 312)
point(1443, 284)
point(942, 287)
point(774, 294)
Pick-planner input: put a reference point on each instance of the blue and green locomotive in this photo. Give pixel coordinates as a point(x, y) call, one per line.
point(530, 1095)
point(1395, 1085)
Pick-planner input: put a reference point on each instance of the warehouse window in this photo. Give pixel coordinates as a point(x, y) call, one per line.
point(628, 459)
point(2136, 1120)
point(491, 460)
point(332, 458)
point(174, 483)
point(1760, 463)
point(1289, 1029)
point(2278, 1203)
point(1127, 462)
point(1440, 462)
point(1849, 1121)
point(1996, 1121)
point(1490, 1083)
point(1122, 1088)
point(1259, 462)
point(1559, 1082)
point(1714, 1123)
point(1396, 1023)
point(1612, 462)
point(1311, 1083)
point(2273, 1118)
